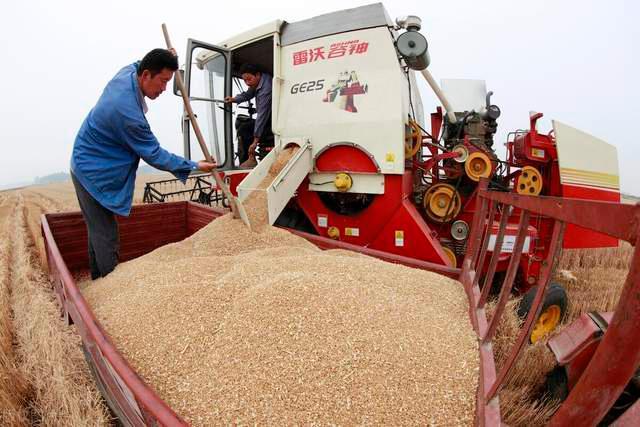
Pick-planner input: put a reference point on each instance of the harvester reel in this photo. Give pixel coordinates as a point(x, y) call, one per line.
point(413, 142)
point(478, 165)
point(529, 182)
point(442, 202)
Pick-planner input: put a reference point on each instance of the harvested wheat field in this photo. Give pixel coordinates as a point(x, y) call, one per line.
point(44, 379)
point(593, 279)
point(235, 326)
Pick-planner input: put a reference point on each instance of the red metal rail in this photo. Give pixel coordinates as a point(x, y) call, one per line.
point(133, 401)
point(617, 357)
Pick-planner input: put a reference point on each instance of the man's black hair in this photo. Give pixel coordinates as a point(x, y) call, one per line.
point(157, 60)
point(249, 69)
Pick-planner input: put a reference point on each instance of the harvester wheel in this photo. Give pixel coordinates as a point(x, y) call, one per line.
point(556, 385)
point(553, 309)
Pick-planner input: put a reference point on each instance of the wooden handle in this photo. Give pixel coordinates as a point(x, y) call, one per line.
point(196, 128)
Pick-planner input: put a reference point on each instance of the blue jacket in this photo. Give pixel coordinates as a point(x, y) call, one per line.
point(111, 141)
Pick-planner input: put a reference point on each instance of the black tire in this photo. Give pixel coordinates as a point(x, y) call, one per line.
point(556, 295)
point(556, 385)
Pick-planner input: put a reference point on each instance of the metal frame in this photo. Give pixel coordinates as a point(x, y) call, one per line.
point(617, 357)
point(203, 191)
point(342, 21)
point(132, 398)
point(228, 132)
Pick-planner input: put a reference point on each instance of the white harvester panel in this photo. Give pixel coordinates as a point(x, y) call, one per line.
point(465, 94)
point(285, 184)
point(316, 74)
point(586, 161)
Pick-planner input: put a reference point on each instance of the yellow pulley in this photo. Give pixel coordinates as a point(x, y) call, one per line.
point(478, 165)
point(451, 255)
point(529, 182)
point(413, 141)
point(442, 202)
point(463, 153)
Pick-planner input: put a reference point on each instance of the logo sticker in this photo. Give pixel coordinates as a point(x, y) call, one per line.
point(353, 232)
point(336, 50)
point(342, 92)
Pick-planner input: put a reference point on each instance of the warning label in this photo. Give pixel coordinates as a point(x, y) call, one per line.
point(353, 232)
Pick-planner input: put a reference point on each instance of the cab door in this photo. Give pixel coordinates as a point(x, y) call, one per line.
point(207, 79)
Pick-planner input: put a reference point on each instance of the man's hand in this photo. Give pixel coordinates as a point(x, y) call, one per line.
point(254, 146)
point(205, 166)
point(229, 99)
point(173, 51)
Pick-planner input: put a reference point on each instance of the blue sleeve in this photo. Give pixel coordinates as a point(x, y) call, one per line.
point(245, 96)
point(138, 136)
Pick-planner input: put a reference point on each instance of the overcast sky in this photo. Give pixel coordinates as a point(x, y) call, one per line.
point(576, 61)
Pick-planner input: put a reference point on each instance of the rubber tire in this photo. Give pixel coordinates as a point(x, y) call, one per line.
point(556, 295)
point(556, 386)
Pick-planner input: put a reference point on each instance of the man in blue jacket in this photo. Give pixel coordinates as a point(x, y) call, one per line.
point(110, 143)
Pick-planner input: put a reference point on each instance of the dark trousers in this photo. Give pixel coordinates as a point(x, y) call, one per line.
point(244, 129)
point(102, 231)
point(266, 140)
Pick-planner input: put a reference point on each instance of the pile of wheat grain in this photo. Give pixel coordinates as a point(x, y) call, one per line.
point(242, 327)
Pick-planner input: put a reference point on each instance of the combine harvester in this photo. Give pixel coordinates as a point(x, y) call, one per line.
point(369, 177)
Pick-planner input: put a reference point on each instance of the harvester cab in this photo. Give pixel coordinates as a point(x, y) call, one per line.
point(368, 172)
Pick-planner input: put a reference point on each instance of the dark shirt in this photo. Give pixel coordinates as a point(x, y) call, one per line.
point(262, 93)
